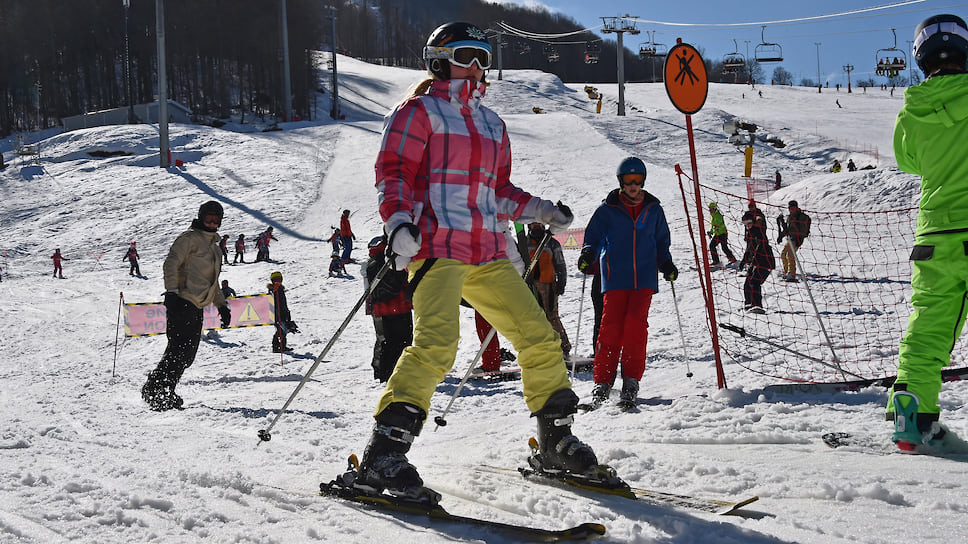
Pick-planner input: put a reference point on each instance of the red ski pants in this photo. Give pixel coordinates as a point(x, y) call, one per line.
point(491, 358)
point(623, 335)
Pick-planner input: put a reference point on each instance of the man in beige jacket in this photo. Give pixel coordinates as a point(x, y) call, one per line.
point(191, 283)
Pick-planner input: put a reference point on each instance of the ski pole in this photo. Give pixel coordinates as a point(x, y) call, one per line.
point(685, 355)
point(441, 420)
point(116, 331)
point(264, 435)
point(581, 305)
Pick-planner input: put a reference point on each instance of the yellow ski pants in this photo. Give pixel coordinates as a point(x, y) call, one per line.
point(501, 296)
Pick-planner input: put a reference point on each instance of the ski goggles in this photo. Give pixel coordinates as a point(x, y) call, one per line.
point(931, 30)
point(634, 179)
point(463, 55)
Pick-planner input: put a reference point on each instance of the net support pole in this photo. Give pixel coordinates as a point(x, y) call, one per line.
point(700, 266)
point(816, 311)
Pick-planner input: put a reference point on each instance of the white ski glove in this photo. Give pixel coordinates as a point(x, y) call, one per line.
point(404, 241)
point(558, 217)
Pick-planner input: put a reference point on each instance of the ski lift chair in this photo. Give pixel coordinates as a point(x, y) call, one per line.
point(734, 62)
point(891, 61)
point(766, 51)
point(551, 53)
point(592, 50)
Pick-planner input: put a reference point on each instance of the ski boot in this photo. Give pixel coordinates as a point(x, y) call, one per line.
point(558, 449)
point(506, 355)
point(913, 433)
point(385, 465)
point(599, 397)
point(557, 453)
point(630, 390)
point(159, 394)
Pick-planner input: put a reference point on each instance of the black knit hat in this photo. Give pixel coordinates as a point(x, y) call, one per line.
point(210, 208)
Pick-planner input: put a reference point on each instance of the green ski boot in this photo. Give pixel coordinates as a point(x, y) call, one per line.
point(907, 436)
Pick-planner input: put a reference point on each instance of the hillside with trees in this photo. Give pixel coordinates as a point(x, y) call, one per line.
point(224, 56)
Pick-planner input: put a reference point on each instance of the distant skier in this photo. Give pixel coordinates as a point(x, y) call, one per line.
point(795, 228)
point(336, 266)
point(549, 278)
point(283, 319)
point(262, 245)
point(336, 241)
point(239, 250)
point(58, 267)
point(132, 257)
point(223, 245)
point(226, 290)
point(346, 236)
point(720, 236)
point(759, 258)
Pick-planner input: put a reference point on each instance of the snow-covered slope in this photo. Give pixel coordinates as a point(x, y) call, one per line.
point(83, 460)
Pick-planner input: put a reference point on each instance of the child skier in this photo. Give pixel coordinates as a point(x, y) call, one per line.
point(391, 311)
point(58, 267)
point(336, 266)
point(239, 250)
point(132, 257)
point(283, 319)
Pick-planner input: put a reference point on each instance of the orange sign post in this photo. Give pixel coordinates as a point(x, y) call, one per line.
point(687, 85)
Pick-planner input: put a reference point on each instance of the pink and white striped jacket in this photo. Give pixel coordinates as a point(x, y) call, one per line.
point(446, 151)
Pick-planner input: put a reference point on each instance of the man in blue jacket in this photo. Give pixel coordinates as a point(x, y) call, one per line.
point(629, 236)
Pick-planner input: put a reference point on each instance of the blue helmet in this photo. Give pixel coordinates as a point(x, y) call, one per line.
point(630, 165)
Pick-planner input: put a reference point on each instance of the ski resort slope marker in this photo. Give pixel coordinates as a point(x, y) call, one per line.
point(686, 81)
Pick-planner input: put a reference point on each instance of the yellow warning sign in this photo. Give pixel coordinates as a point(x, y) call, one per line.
point(572, 239)
point(571, 242)
point(249, 315)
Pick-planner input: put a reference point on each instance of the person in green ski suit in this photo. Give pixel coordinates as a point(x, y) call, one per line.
point(719, 235)
point(931, 140)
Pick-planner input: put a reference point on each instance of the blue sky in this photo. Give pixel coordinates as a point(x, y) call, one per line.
point(852, 39)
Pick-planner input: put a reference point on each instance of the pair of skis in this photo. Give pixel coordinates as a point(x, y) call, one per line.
point(343, 488)
point(428, 505)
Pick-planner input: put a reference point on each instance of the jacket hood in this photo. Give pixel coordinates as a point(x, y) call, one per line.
point(939, 100)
